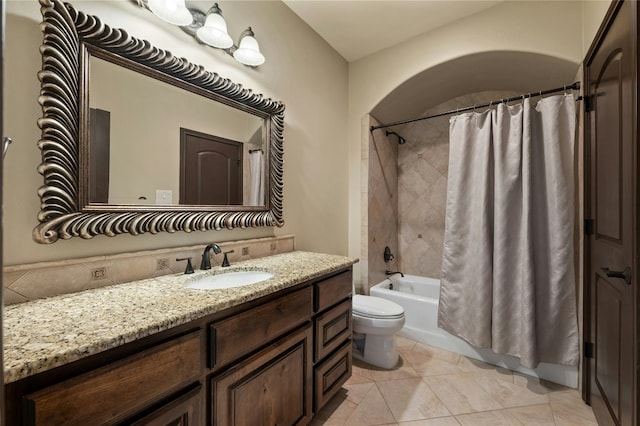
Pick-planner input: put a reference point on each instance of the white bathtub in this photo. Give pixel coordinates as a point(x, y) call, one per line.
point(419, 297)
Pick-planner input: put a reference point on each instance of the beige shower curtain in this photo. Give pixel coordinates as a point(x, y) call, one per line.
point(508, 270)
point(256, 178)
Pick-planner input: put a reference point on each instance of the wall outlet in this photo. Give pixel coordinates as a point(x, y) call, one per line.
point(162, 264)
point(245, 251)
point(164, 196)
point(99, 274)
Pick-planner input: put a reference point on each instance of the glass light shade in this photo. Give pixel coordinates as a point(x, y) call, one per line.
point(172, 11)
point(214, 32)
point(248, 52)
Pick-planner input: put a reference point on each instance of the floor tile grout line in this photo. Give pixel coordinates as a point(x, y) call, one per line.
point(502, 409)
point(437, 397)
point(386, 402)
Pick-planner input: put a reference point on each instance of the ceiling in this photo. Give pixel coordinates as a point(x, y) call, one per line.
point(358, 28)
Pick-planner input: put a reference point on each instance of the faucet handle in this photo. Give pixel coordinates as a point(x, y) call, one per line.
point(225, 261)
point(189, 268)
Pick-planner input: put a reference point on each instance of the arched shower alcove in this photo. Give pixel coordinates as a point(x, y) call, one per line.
point(406, 185)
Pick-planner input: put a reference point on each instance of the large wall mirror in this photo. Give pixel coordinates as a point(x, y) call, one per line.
point(135, 140)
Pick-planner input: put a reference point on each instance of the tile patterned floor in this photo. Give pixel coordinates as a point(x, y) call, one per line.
point(433, 387)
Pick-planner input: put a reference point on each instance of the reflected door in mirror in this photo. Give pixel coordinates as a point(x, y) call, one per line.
point(99, 148)
point(210, 169)
point(146, 117)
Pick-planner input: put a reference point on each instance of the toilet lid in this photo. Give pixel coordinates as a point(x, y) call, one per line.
point(376, 307)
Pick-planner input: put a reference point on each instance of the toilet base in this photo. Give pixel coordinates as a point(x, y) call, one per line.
point(380, 351)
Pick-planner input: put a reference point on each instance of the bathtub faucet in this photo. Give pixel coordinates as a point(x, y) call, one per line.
point(388, 272)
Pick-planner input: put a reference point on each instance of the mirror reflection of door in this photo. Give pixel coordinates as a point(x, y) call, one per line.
point(210, 169)
point(99, 155)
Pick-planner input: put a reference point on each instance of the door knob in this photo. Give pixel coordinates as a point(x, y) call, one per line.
point(625, 275)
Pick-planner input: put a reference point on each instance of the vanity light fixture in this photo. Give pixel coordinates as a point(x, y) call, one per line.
point(248, 51)
point(209, 29)
point(171, 11)
point(214, 31)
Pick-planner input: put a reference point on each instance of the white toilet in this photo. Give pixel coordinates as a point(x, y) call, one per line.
point(375, 323)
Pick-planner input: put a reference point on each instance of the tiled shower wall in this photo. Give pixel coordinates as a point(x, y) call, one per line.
point(413, 217)
point(38, 280)
point(380, 204)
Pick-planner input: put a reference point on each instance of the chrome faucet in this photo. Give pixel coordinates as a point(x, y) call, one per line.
point(206, 260)
point(388, 272)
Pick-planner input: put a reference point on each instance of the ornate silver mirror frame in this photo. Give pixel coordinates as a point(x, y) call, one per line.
point(67, 35)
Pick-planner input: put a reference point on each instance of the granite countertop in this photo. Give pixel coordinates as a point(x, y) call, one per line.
point(48, 333)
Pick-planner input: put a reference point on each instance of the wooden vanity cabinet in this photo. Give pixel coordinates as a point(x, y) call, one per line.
point(275, 360)
point(234, 337)
point(272, 387)
point(119, 390)
point(332, 336)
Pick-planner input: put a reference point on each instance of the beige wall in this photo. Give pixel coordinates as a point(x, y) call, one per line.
point(593, 12)
point(551, 28)
point(301, 70)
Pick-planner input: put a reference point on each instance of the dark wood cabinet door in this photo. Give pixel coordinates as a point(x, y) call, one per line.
point(270, 388)
point(611, 191)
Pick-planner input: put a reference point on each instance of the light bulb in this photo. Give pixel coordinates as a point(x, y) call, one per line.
point(214, 31)
point(172, 11)
point(248, 52)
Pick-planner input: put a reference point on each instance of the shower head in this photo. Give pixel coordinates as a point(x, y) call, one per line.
point(401, 140)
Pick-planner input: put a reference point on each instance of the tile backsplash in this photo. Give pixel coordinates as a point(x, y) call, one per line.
point(38, 280)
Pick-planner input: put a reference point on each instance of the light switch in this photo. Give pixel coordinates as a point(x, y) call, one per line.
point(164, 196)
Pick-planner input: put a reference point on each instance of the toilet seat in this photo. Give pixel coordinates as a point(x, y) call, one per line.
point(376, 307)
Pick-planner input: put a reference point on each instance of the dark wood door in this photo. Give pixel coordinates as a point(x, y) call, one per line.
point(210, 169)
point(611, 192)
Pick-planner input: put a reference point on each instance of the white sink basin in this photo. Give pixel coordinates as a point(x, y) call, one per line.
point(228, 280)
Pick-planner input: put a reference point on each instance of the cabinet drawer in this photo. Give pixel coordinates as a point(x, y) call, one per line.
point(271, 387)
point(331, 374)
point(332, 290)
point(332, 328)
point(238, 335)
point(185, 410)
point(119, 390)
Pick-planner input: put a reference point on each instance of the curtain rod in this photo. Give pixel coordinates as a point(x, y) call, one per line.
point(574, 86)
